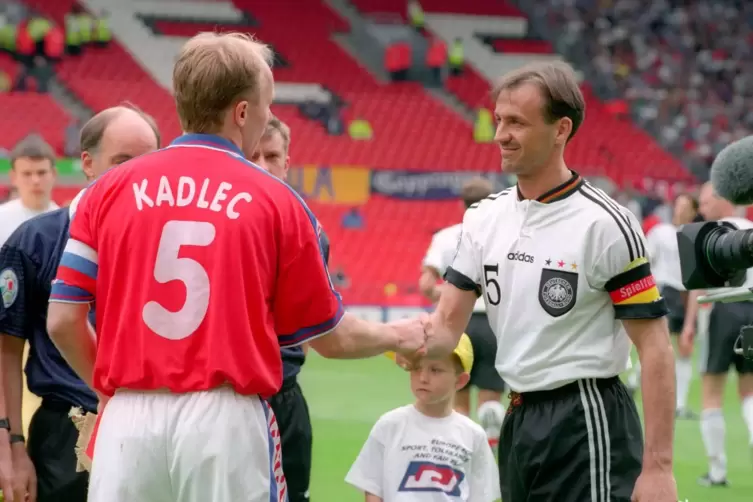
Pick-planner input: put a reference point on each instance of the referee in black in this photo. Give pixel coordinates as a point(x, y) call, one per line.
point(566, 317)
point(46, 467)
point(289, 405)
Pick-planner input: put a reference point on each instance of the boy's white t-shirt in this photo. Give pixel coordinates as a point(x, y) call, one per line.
point(410, 457)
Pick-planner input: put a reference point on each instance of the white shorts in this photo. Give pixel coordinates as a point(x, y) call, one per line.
point(211, 446)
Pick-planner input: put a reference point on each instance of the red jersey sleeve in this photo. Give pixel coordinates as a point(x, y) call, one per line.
point(305, 304)
point(77, 273)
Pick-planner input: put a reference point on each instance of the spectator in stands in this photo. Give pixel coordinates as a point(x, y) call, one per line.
point(38, 26)
point(101, 35)
point(5, 82)
point(353, 219)
point(40, 72)
point(416, 16)
point(684, 67)
point(54, 44)
point(456, 57)
point(360, 129)
point(436, 61)
point(25, 46)
point(397, 61)
point(73, 39)
point(339, 279)
point(483, 127)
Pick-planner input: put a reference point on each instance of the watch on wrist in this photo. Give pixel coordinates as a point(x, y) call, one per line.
point(17, 438)
point(4, 424)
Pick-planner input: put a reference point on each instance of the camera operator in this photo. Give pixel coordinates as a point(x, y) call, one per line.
point(717, 352)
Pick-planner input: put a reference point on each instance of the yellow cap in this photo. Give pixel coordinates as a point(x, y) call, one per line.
point(464, 351)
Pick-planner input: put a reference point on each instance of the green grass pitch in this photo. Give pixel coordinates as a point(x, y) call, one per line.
point(347, 397)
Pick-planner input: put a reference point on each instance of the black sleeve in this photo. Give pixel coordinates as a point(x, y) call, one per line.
point(324, 242)
point(17, 284)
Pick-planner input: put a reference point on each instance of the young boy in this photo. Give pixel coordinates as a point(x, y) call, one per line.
point(426, 452)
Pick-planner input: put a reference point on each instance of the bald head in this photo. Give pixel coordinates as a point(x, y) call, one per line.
point(114, 136)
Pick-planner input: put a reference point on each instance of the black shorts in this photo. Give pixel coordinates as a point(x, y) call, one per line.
point(483, 375)
point(718, 351)
point(675, 301)
point(296, 438)
point(580, 443)
point(52, 439)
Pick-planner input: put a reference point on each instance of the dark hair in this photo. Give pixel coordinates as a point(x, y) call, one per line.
point(558, 85)
point(475, 189)
point(95, 127)
point(32, 147)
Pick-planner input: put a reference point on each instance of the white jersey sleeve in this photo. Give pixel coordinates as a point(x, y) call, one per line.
point(366, 472)
point(465, 271)
point(484, 475)
point(622, 268)
point(433, 256)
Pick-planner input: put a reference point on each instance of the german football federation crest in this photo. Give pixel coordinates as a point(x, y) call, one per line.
point(557, 291)
point(8, 287)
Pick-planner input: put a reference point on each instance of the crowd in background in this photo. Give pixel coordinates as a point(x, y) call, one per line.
point(684, 68)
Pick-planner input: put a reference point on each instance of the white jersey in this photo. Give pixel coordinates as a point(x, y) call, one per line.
point(557, 312)
point(664, 255)
point(441, 252)
point(13, 213)
point(410, 457)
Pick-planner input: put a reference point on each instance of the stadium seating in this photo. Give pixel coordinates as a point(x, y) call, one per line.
point(396, 235)
point(412, 129)
point(20, 113)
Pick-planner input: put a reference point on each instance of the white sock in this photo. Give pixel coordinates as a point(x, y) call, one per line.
point(712, 432)
point(684, 373)
point(748, 415)
point(634, 378)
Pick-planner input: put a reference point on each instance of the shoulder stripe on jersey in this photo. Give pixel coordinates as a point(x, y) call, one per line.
point(639, 244)
point(82, 250)
point(493, 196)
point(632, 251)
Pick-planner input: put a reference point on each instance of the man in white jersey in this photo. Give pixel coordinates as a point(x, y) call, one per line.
point(572, 433)
point(484, 375)
point(717, 351)
point(32, 174)
point(665, 262)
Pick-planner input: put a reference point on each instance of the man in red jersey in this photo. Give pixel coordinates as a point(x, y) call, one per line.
point(202, 266)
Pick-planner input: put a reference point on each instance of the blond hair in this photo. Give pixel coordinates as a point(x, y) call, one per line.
point(214, 71)
point(559, 87)
point(277, 125)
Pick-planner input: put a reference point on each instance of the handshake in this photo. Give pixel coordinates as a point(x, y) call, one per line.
point(420, 337)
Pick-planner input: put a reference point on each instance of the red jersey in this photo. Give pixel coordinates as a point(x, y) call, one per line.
point(202, 265)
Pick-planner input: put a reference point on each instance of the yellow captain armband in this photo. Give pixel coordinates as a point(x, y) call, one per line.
point(634, 293)
point(391, 355)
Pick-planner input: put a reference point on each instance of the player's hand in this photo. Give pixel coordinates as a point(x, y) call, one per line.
point(410, 337)
point(655, 486)
point(685, 343)
point(24, 475)
point(6, 466)
point(439, 341)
